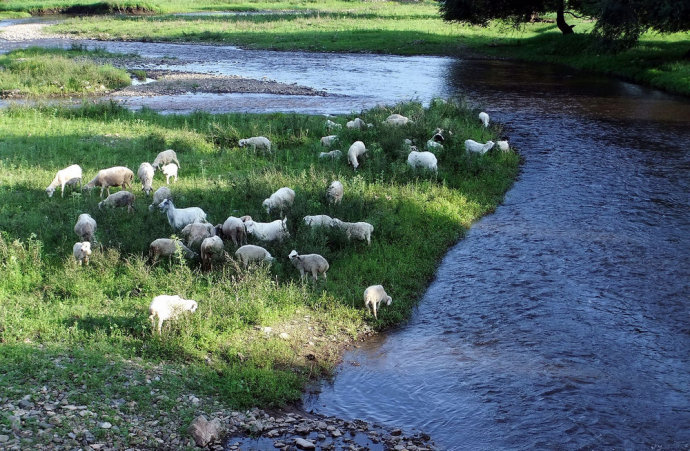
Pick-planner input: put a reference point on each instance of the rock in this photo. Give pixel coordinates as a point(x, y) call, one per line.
point(336, 433)
point(304, 444)
point(284, 335)
point(105, 425)
point(204, 431)
point(396, 432)
point(4, 438)
point(25, 404)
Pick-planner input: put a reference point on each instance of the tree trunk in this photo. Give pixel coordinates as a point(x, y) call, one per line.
point(560, 20)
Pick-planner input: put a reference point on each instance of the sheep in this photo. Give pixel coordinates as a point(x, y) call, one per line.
point(268, 231)
point(165, 157)
point(166, 247)
point(327, 141)
point(375, 295)
point(313, 263)
point(356, 123)
point(503, 146)
point(256, 143)
point(115, 176)
point(250, 253)
point(439, 135)
point(119, 199)
point(85, 227)
point(233, 228)
point(474, 146)
point(330, 125)
point(484, 118)
point(333, 155)
point(357, 149)
point(318, 220)
point(281, 200)
point(70, 176)
point(145, 174)
point(169, 170)
point(180, 217)
point(81, 252)
point(357, 230)
point(212, 250)
point(165, 307)
point(397, 119)
point(434, 146)
point(334, 192)
point(426, 160)
point(197, 232)
point(159, 196)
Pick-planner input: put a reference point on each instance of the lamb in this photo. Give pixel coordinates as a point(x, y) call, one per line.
point(318, 220)
point(374, 296)
point(268, 231)
point(165, 157)
point(281, 200)
point(212, 251)
point(197, 232)
point(426, 160)
point(145, 174)
point(357, 230)
point(484, 118)
point(256, 143)
point(503, 146)
point(165, 307)
point(119, 199)
point(165, 247)
point(356, 150)
point(85, 227)
point(474, 146)
point(334, 192)
point(82, 252)
point(397, 119)
point(330, 125)
point(180, 217)
point(309, 263)
point(70, 176)
point(327, 141)
point(434, 146)
point(333, 155)
point(233, 228)
point(356, 123)
point(159, 196)
point(115, 176)
point(169, 170)
point(250, 253)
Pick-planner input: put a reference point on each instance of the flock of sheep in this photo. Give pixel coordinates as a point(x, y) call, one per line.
point(205, 240)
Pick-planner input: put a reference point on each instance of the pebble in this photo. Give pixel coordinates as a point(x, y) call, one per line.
point(105, 425)
point(304, 444)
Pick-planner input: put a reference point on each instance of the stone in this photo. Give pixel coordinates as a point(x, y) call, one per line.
point(304, 444)
point(105, 425)
point(4, 438)
point(204, 431)
point(284, 335)
point(336, 433)
point(25, 404)
point(396, 432)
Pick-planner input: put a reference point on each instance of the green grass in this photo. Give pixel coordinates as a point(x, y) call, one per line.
point(38, 71)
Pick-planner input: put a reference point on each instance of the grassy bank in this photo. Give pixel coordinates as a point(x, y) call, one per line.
point(94, 319)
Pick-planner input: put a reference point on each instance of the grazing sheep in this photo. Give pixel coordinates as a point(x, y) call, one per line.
point(81, 252)
point(333, 155)
point(159, 196)
point(357, 230)
point(145, 174)
point(397, 119)
point(165, 157)
point(256, 143)
point(165, 247)
point(233, 228)
point(334, 192)
point(426, 160)
point(503, 146)
point(85, 227)
point(327, 141)
point(356, 123)
point(484, 118)
point(212, 251)
point(197, 232)
point(268, 231)
point(71, 175)
point(165, 307)
point(309, 263)
point(439, 135)
point(356, 150)
point(330, 125)
point(474, 146)
point(180, 217)
point(245, 218)
point(250, 253)
point(115, 176)
point(119, 199)
point(434, 146)
point(169, 170)
point(281, 200)
point(375, 295)
point(318, 221)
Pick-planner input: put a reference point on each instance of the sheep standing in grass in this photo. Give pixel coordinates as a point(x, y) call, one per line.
point(169, 170)
point(309, 263)
point(426, 160)
point(233, 228)
point(484, 118)
point(159, 196)
point(356, 150)
point(356, 123)
point(115, 176)
point(165, 157)
point(145, 174)
point(374, 296)
point(255, 143)
point(119, 199)
point(332, 155)
point(196, 233)
point(250, 253)
point(268, 231)
point(211, 251)
point(166, 247)
point(475, 147)
point(334, 192)
point(357, 230)
point(69, 176)
point(503, 146)
point(82, 252)
point(281, 200)
point(397, 119)
point(85, 227)
point(318, 221)
point(178, 218)
point(166, 307)
point(328, 141)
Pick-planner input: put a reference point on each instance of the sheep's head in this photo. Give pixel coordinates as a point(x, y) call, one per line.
point(388, 300)
point(50, 190)
point(86, 248)
point(147, 191)
point(267, 205)
point(192, 306)
point(489, 145)
point(165, 205)
point(250, 226)
point(245, 218)
point(219, 230)
point(293, 254)
point(242, 142)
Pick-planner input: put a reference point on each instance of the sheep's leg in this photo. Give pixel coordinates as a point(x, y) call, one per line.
point(374, 307)
point(324, 276)
point(160, 325)
point(315, 273)
point(62, 193)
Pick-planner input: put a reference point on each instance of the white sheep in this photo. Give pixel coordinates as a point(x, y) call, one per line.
point(165, 157)
point(69, 176)
point(397, 119)
point(166, 247)
point(251, 253)
point(356, 123)
point(180, 217)
point(119, 199)
point(115, 176)
point(328, 141)
point(233, 228)
point(484, 118)
point(166, 307)
point(85, 227)
point(334, 192)
point(357, 230)
point(332, 155)
point(169, 170)
point(82, 252)
point(474, 146)
point(426, 160)
point(268, 231)
point(256, 143)
point(281, 200)
point(145, 174)
point(159, 196)
point(197, 232)
point(356, 150)
point(330, 125)
point(375, 295)
point(211, 251)
point(433, 146)
point(309, 263)
point(318, 221)
point(503, 146)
